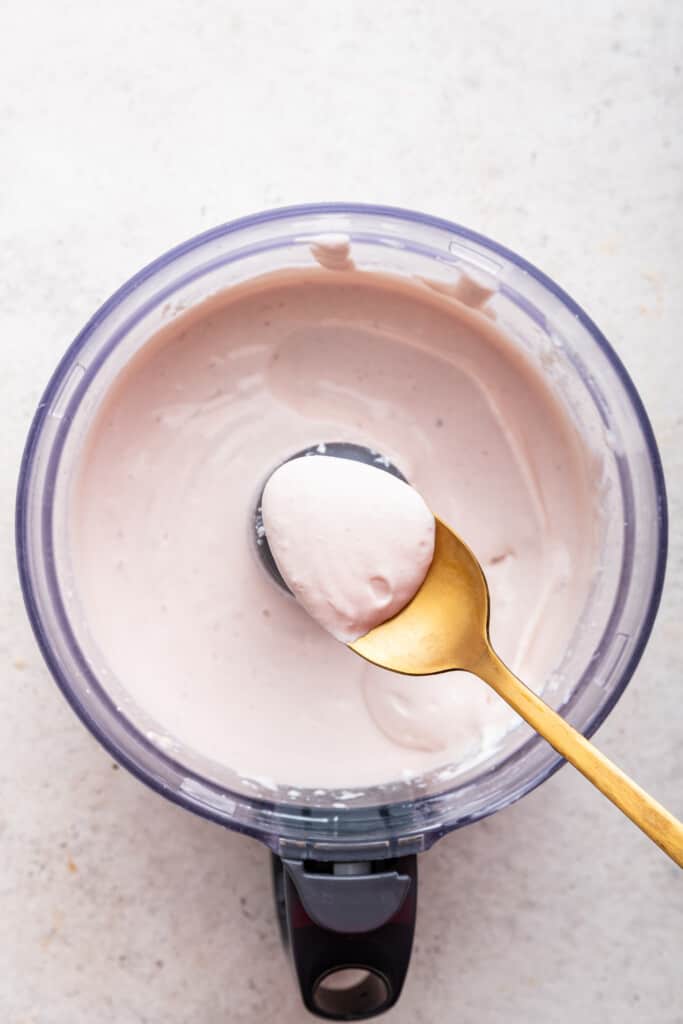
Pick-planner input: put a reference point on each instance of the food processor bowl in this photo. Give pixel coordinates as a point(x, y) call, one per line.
point(347, 891)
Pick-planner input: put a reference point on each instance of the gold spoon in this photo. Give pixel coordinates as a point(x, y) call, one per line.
point(446, 627)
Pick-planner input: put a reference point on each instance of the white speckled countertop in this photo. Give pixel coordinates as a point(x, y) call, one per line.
point(127, 127)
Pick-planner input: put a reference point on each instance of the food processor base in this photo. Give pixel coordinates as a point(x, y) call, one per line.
point(348, 927)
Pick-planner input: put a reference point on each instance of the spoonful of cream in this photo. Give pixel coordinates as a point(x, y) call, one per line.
point(363, 554)
point(352, 544)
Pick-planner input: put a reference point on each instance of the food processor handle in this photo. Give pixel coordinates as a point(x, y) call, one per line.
point(348, 927)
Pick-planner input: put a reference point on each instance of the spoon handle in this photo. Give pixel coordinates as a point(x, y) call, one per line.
point(643, 810)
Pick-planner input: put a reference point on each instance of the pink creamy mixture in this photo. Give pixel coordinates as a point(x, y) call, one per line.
point(352, 542)
point(177, 603)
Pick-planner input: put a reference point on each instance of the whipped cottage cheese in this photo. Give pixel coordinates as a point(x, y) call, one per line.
point(179, 607)
point(352, 542)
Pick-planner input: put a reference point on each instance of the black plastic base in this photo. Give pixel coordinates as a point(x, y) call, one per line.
point(349, 929)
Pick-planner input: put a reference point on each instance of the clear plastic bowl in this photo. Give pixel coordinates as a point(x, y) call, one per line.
point(586, 374)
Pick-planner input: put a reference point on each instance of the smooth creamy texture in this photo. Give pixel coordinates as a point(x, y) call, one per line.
point(353, 543)
point(163, 555)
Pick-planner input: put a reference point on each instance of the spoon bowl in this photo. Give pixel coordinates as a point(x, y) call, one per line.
point(332, 449)
point(445, 626)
